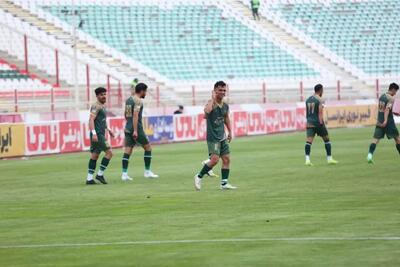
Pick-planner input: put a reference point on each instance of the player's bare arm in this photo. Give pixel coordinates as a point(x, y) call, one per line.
point(110, 132)
point(210, 104)
point(321, 114)
point(228, 126)
point(135, 124)
point(91, 127)
point(386, 116)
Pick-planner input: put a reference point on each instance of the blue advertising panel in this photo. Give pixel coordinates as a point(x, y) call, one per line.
point(159, 129)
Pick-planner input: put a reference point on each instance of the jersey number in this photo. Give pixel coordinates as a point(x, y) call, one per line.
point(310, 108)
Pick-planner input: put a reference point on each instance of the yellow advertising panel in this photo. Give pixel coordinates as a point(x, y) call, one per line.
point(12, 140)
point(350, 116)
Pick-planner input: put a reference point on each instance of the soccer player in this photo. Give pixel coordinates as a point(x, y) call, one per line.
point(385, 124)
point(134, 132)
point(316, 125)
point(98, 142)
point(217, 116)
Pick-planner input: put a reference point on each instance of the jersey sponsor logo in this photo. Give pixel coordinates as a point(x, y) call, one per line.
point(256, 123)
point(185, 127)
point(42, 138)
point(70, 136)
point(239, 123)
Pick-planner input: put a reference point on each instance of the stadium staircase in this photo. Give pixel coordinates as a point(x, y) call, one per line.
point(360, 87)
point(117, 65)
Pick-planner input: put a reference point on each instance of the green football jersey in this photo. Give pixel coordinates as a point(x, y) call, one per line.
point(385, 101)
point(216, 123)
point(132, 104)
point(312, 110)
point(100, 122)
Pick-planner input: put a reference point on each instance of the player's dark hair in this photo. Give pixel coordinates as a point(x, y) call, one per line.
point(318, 88)
point(140, 87)
point(100, 90)
point(394, 86)
point(219, 84)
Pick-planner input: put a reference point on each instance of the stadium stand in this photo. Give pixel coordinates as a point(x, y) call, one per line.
point(359, 32)
point(187, 42)
point(29, 90)
point(180, 47)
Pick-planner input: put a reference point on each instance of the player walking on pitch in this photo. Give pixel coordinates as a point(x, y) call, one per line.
point(98, 142)
point(217, 116)
point(385, 124)
point(134, 132)
point(316, 125)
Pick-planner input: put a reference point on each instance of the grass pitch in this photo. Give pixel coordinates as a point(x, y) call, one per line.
point(283, 214)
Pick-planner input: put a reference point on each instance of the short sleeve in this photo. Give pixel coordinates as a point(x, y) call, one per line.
point(138, 104)
point(390, 103)
point(94, 109)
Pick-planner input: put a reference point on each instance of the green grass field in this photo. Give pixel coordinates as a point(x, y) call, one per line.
point(283, 214)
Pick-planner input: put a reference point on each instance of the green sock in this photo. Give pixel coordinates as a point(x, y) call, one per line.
point(125, 162)
point(328, 148)
point(92, 166)
point(307, 148)
point(103, 166)
point(204, 170)
point(147, 160)
point(224, 176)
point(372, 147)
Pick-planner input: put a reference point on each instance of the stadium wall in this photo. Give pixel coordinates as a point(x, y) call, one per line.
point(53, 137)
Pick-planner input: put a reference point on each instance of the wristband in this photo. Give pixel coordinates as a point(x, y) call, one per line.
point(94, 132)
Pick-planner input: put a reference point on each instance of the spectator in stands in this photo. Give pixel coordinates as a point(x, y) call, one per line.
point(255, 5)
point(134, 83)
point(179, 110)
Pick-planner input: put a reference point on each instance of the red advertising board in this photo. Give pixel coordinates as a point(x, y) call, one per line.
point(239, 123)
point(42, 138)
point(117, 126)
point(185, 127)
point(256, 123)
point(70, 136)
point(272, 120)
point(201, 127)
point(85, 135)
point(301, 120)
point(287, 119)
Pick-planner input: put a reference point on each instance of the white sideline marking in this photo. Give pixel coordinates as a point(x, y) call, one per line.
point(193, 241)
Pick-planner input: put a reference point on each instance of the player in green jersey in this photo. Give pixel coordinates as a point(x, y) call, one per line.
point(316, 125)
point(98, 141)
point(217, 116)
point(134, 132)
point(385, 124)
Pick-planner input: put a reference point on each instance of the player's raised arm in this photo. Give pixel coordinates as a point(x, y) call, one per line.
point(210, 104)
point(93, 114)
